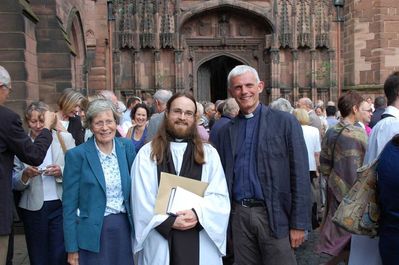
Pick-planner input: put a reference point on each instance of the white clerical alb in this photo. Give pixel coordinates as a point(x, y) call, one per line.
point(150, 247)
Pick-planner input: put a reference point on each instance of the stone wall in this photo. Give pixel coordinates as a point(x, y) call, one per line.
point(18, 51)
point(371, 43)
point(133, 46)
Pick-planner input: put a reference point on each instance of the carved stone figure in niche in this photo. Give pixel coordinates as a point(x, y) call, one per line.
point(224, 26)
point(187, 31)
point(204, 28)
point(90, 38)
point(244, 30)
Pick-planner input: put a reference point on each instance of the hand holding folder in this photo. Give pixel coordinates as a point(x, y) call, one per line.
point(181, 199)
point(170, 181)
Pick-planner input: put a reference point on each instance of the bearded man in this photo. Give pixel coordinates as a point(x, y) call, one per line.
point(195, 236)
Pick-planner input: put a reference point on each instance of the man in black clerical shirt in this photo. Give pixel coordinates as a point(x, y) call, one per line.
point(263, 153)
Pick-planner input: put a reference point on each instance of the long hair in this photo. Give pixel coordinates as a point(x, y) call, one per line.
point(161, 142)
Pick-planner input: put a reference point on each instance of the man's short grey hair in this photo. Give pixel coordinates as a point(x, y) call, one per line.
point(96, 107)
point(106, 93)
point(5, 78)
point(240, 70)
point(308, 102)
point(230, 107)
point(208, 106)
point(282, 104)
point(163, 95)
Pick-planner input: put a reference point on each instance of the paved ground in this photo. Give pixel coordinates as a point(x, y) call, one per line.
point(20, 252)
point(305, 254)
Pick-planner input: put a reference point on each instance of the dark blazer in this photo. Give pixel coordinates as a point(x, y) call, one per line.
point(84, 189)
point(282, 166)
point(216, 128)
point(388, 185)
point(75, 128)
point(14, 141)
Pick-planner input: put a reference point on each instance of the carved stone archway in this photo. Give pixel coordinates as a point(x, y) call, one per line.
point(226, 35)
point(212, 78)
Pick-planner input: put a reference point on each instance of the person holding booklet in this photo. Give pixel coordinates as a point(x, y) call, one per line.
point(194, 236)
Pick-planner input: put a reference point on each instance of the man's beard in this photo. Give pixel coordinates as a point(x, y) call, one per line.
point(180, 132)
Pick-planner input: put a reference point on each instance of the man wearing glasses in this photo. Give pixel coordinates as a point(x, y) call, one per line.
point(366, 112)
point(14, 141)
point(194, 236)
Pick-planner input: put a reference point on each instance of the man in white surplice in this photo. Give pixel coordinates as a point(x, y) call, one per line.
point(178, 149)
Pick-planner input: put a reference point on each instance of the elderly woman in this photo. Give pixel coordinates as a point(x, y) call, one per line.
point(96, 199)
point(70, 105)
point(342, 153)
point(138, 132)
point(40, 204)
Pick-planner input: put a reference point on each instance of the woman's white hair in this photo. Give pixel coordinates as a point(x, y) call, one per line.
point(97, 106)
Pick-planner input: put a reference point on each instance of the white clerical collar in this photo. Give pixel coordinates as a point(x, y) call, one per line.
point(248, 116)
point(253, 113)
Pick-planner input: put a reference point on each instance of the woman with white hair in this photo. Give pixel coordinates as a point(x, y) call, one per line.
point(97, 183)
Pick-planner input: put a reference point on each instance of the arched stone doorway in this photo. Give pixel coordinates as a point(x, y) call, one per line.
point(212, 78)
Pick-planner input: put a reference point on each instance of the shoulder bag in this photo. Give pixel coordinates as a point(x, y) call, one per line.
point(358, 212)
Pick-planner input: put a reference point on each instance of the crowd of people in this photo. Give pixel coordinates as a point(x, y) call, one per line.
point(89, 173)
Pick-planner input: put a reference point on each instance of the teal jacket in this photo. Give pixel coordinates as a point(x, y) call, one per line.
point(84, 189)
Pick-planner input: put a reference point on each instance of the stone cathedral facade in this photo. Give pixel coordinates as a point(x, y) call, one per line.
point(194, 44)
point(136, 46)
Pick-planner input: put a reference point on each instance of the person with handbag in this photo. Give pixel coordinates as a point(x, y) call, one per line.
point(364, 249)
point(342, 152)
point(388, 186)
point(40, 203)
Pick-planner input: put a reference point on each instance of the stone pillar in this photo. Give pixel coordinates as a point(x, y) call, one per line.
point(137, 62)
point(275, 59)
point(295, 71)
point(332, 87)
point(158, 71)
point(313, 78)
point(178, 70)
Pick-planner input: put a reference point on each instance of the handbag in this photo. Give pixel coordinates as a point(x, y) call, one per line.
point(358, 212)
